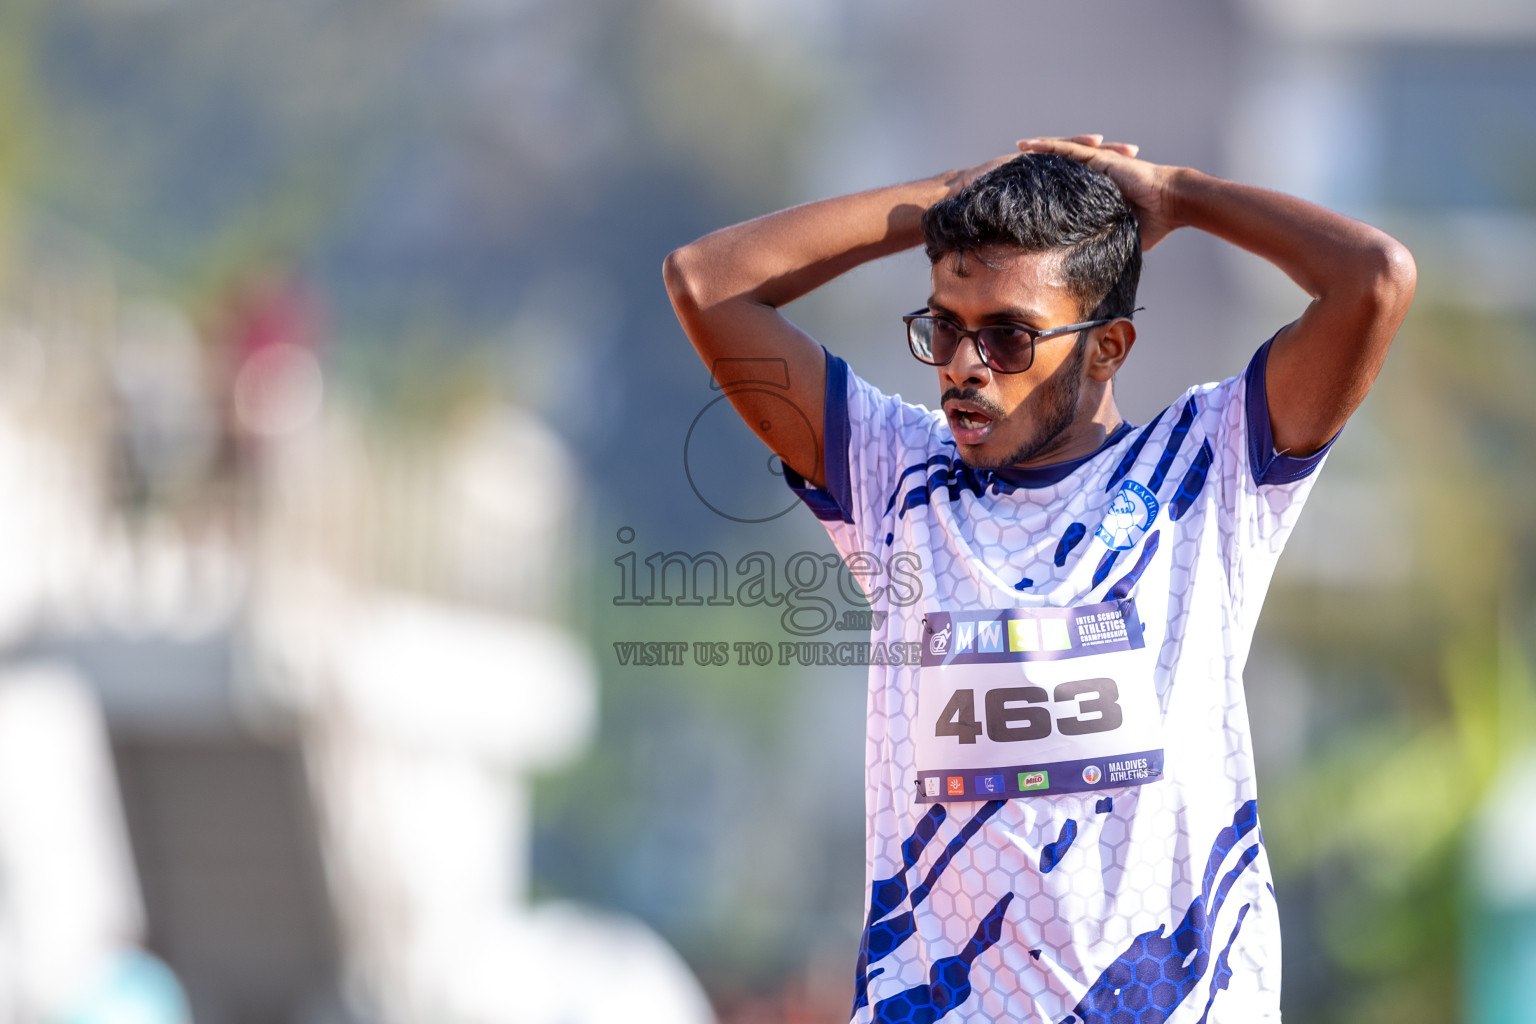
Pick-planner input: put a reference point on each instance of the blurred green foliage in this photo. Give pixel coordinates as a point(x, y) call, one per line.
point(415, 162)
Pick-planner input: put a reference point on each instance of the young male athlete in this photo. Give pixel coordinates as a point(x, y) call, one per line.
point(1062, 818)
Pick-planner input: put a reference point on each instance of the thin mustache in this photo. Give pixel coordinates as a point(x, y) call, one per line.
point(973, 396)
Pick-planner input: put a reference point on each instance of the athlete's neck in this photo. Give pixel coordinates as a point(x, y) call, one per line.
point(1094, 423)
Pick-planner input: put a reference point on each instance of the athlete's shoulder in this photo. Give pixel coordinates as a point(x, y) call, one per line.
point(881, 412)
point(1232, 418)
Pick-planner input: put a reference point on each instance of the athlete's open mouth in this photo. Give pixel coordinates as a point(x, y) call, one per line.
point(967, 422)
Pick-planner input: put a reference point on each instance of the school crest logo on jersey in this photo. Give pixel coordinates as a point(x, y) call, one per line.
point(1128, 517)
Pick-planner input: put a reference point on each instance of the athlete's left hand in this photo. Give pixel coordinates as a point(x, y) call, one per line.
point(1145, 185)
point(1360, 279)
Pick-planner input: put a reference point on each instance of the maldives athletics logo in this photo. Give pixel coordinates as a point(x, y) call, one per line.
point(1092, 775)
point(1128, 517)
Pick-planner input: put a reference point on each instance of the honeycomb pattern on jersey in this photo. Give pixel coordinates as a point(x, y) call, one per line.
point(1134, 871)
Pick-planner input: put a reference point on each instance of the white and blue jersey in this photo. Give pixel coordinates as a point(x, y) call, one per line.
point(1062, 821)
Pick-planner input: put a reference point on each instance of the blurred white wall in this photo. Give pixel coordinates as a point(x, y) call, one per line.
point(69, 899)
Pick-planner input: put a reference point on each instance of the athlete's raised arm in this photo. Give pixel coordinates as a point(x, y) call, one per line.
point(728, 286)
point(1361, 280)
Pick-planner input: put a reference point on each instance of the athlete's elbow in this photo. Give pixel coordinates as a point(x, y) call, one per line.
point(1401, 274)
point(1392, 278)
point(680, 271)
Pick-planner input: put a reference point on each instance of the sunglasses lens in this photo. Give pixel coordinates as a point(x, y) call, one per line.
point(933, 340)
point(943, 339)
point(1008, 349)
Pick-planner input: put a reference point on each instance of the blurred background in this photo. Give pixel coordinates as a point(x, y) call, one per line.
point(349, 446)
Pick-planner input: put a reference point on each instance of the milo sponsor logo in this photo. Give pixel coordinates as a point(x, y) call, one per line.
point(1034, 780)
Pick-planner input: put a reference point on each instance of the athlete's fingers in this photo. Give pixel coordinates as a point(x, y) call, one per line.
point(1092, 141)
point(1066, 147)
point(1074, 146)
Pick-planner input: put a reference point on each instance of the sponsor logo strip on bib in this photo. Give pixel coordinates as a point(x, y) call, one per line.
point(1038, 779)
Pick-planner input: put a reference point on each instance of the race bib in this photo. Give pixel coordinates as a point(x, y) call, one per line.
point(1035, 701)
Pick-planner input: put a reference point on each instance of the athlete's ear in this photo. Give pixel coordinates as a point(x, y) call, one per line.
point(1111, 344)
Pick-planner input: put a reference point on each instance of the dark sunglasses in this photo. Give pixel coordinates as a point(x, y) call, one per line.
point(1004, 348)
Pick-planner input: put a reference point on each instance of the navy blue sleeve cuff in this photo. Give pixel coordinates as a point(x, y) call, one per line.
point(1269, 466)
point(834, 502)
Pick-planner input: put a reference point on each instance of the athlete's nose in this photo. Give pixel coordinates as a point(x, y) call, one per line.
point(965, 367)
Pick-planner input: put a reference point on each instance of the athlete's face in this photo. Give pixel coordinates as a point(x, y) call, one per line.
point(1038, 416)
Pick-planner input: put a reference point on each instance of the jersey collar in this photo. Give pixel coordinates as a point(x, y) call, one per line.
point(1045, 476)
